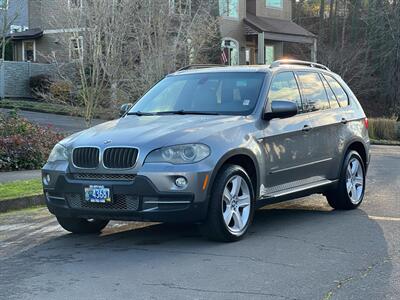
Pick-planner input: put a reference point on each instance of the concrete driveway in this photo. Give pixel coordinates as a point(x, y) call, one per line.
point(297, 250)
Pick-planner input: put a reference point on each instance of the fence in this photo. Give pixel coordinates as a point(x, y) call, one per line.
point(14, 77)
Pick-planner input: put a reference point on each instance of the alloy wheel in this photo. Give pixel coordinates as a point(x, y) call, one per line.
point(236, 202)
point(355, 181)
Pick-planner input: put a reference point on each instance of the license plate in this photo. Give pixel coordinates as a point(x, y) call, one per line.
point(97, 194)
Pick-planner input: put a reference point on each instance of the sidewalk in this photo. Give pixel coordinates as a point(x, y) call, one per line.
point(19, 175)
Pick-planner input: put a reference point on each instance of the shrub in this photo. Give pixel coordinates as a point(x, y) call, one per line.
point(23, 145)
point(61, 91)
point(384, 129)
point(40, 84)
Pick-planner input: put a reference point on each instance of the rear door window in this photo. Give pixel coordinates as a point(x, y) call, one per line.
point(340, 94)
point(313, 91)
point(284, 87)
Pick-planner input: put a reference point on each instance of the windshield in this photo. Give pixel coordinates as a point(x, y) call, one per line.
point(206, 93)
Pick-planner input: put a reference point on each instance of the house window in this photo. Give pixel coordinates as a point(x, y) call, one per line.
point(76, 48)
point(180, 7)
point(230, 52)
point(29, 50)
point(229, 8)
point(278, 4)
point(75, 4)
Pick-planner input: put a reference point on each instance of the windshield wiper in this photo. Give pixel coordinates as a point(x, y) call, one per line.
point(187, 112)
point(139, 113)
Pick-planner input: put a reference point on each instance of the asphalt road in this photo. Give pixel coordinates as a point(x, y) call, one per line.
point(60, 123)
point(299, 250)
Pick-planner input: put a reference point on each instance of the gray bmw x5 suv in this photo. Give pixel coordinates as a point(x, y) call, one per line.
point(211, 145)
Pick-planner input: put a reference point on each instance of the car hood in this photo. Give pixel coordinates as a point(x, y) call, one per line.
point(156, 131)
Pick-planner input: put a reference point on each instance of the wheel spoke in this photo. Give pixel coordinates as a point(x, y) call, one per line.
point(359, 181)
point(228, 215)
point(238, 220)
point(349, 186)
point(354, 167)
point(227, 196)
point(348, 173)
point(354, 192)
point(236, 183)
point(244, 201)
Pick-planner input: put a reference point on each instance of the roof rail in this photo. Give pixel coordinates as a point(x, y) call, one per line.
point(311, 64)
point(199, 66)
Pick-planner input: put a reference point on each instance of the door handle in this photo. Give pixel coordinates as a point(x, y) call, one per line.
point(306, 128)
point(344, 121)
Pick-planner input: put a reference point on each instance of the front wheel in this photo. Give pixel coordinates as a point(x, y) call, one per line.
point(231, 207)
point(82, 226)
point(351, 187)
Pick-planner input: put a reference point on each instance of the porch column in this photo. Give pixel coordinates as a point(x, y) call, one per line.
point(261, 49)
point(314, 51)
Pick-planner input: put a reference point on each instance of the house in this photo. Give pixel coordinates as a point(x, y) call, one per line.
point(253, 31)
point(256, 31)
point(35, 34)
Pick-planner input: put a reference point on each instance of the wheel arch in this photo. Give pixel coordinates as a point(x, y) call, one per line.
point(360, 148)
point(244, 158)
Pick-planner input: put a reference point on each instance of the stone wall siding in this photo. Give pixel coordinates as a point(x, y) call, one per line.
point(14, 77)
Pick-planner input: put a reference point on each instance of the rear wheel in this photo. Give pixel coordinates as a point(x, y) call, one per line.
point(231, 205)
point(82, 226)
point(351, 187)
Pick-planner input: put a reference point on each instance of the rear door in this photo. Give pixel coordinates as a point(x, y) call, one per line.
point(286, 141)
point(321, 107)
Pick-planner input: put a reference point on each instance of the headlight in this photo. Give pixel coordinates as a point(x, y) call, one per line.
point(179, 154)
point(58, 153)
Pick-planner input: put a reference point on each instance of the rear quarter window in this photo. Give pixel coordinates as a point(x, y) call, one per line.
point(338, 90)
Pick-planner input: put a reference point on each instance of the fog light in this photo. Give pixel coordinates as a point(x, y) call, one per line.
point(181, 182)
point(46, 179)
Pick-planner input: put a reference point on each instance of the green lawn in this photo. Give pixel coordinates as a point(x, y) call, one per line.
point(18, 189)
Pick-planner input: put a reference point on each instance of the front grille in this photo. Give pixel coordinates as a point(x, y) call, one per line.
point(109, 177)
point(86, 157)
point(121, 202)
point(119, 158)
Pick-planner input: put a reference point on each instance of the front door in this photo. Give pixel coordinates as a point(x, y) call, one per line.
point(286, 141)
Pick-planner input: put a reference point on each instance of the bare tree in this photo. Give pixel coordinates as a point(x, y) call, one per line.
point(7, 19)
point(118, 49)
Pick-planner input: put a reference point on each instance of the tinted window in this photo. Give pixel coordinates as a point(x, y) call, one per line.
point(224, 93)
point(338, 90)
point(284, 87)
point(313, 91)
point(331, 96)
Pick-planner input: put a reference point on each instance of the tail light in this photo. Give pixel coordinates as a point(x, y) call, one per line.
point(366, 123)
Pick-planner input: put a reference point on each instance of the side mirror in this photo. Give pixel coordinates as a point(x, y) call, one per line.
point(124, 109)
point(281, 109)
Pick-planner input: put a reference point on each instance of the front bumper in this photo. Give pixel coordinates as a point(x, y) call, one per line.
point(134, 200)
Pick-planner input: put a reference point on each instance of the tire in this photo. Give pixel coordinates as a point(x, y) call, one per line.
point(82, 226)
point(350, 190)
point(237, 205)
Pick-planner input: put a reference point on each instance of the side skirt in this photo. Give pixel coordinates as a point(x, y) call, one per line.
point(298, 192)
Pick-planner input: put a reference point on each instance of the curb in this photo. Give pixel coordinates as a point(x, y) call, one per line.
point(21, 203)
